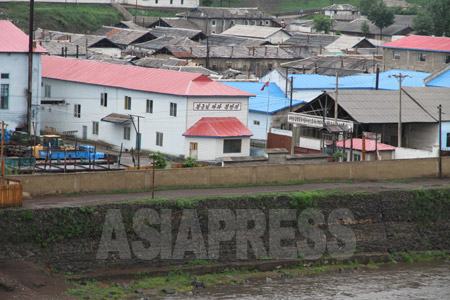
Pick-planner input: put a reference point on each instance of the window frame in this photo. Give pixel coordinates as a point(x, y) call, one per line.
point(47, 91)
point(126, 133)
point(4, 97)
point(77, 110)
point(173, 109)
point(446, 59)
point(127, 103)
point(228, 147)
point(422, 57)
point(256, 122)
point(95, 127)
point(395, 55)
point(4, 76)
point(447, 142)
point(104, 99)
point(159, 139)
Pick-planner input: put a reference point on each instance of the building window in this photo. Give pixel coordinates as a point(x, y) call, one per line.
point(232, 146)
point(156, 1)
point(213, 23)
point(126, 133)
point(5, 75)
point(356, 157)
point(261, 23)
point(127, 102)
point(171, 1)
point(4, 96)
point(182, 2)
point(173, 109)
point(447, 59)
point(77, 110)
point(283, 126)
point(256, 122)
point(104, 99)
point(246, 22)
point(95, 127)
point(448, 140)
point(395, 55)
point(47, 91)
point(422, 57)
point(233, 22)
point(159, 139)
point(149, 106)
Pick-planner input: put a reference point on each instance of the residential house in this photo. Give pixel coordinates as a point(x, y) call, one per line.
point(347, 44)
point(214, 20)
point(14, 46)
point(440, 78)
point(100, 101)
point(143, 3)
point(192, 34)
point(401, 27)
point(257, 60)
point(378, 112)
point(124, 37)
point(173, 23)
point(372, 149)
point(312, 43)
point(342, 12)
point(228, 40)
point(417, 53)
point(274, 35)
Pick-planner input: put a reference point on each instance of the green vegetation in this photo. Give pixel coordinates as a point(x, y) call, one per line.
point(411, 257)
point(160, 160)
point(189, 162)
point(153, 13)
point(430, 207)
point(381, 16)
point(434, 19)
point(323, 24)
point(61, 17)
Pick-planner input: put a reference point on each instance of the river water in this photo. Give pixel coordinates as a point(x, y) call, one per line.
point(424, 280)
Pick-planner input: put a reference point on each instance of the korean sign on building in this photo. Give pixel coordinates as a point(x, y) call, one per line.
point(217, 106)
point(317, 121)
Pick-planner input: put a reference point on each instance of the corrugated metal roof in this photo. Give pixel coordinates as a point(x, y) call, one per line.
point(370, 145)
point(442, 80)
point(181, 32)
point(372, 106)
point(218, 128)
point(424, 43)
point(116, 118)
point(278, 100)
point(401, 23)
point(260, 32)
point(135, 78)
point(225, 12)
point(311, 40)
point(362, 81)
point(12, 39)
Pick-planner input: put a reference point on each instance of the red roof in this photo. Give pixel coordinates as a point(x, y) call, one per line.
point(370, 145)
point(418, 42)
point(219, 127)
point(135, 78)
point(12, 39)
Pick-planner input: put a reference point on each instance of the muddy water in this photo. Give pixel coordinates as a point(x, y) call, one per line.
point(425, 280)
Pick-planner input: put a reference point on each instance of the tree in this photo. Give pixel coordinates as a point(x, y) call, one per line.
point(381, 16)
point(423, 23)
point(434, 19)
point(365, 28)
point(322, 23)
point(365, 6)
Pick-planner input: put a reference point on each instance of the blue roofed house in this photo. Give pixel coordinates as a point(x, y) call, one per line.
point(264, 106)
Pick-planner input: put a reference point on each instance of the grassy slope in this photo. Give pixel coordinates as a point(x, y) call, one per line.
point(72, 18)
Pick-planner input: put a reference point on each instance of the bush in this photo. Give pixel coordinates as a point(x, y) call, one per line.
point(338, 155)
point(189, 162)
point(160, 160)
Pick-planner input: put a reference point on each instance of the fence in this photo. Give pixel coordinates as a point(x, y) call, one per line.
point(10, 193)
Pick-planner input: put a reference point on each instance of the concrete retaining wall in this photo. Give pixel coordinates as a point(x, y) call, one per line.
point(139, 180)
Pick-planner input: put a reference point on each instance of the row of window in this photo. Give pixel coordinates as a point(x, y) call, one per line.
point(420, 57)
point(171, 2)
point(246, 22)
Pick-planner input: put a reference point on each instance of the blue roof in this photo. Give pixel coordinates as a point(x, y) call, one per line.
point(363, 81)
point(442, 80)
point(278, 100)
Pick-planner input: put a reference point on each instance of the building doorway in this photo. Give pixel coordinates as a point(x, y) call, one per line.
point(193, 150)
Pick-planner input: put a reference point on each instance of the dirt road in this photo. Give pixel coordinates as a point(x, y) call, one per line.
point(95, 199)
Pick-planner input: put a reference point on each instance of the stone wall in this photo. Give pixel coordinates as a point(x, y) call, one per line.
point(68, 239)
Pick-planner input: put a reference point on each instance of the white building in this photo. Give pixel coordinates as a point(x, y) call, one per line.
point(273, 35)
point(96, 99)
point(14, 77)
point(145, 3)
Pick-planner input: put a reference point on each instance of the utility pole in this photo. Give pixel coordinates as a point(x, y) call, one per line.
point(336, 100)
point(292, 88)
point(135, 12)
point(400, 78)
point(138, 137)
point(30, 65)
point(440, 140)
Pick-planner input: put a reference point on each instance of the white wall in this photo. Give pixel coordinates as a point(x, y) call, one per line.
point(211, 149)
point(259, 131)
point(16, 65)
point(150, 3)
point(408, 153)
point(62, 117)
point(278, 37)
point(114, 52)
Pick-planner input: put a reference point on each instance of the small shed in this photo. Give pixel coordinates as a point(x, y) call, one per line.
point(373, 150)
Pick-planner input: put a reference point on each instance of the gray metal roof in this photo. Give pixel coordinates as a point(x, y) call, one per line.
point(270, 52)
point(401, 23)
point(259, 32)
point(164, 41)
point(181, 23)
point(341, 7)
point(226, 40)
point(372, 106)
point(225, 12)
point(181, 32)
point(311, 40)
point(55, 48)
